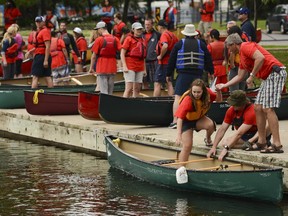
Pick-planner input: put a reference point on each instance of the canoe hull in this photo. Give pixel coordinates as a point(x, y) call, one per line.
point(51, 103)
point(88, 105)
point(146, 111)
point(245, 184)
point(13, 97)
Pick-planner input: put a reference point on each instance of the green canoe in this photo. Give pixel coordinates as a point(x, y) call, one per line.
point(158, 165)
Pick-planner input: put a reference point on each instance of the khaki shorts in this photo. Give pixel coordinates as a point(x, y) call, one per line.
point(132, 76)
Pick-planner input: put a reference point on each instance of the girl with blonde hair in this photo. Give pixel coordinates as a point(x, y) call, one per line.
point(9, 53)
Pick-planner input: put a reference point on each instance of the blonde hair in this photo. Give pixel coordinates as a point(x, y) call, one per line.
point(12, 30)
point(16, 26)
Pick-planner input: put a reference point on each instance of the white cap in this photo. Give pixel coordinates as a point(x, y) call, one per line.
point(77, 30)
point(137, 25)
point(99, 25)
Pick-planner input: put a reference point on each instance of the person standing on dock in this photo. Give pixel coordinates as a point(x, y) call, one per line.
point(257, 61)
point(41, 66)
point(104, 49)
point(133, 55)
point(194, 104)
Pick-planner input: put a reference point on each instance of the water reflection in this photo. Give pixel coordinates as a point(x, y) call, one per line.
point(181, 203)
point(43, 180)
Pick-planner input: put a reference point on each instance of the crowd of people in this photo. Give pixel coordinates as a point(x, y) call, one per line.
point(149, 56)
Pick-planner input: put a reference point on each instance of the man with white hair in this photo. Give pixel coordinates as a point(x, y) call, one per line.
point(257, 61)
point(190, 57)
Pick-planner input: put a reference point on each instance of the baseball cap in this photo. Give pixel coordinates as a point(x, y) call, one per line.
point(77, 30)
point(99, 25)
point(163, 23)
point(243, 10)
point(39, 19)
point(137, 25)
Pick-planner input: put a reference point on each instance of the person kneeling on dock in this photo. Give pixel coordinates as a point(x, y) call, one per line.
point(241, 116)
point(194, 104)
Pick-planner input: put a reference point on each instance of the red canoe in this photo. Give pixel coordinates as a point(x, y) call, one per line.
point(51, 103)
point(88, 103)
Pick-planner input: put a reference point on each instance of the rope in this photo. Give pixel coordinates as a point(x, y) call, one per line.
point(35, 97)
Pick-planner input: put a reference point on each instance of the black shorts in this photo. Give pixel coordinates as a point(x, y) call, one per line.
point(38, 68)
point(187, 125)
point(18, 66)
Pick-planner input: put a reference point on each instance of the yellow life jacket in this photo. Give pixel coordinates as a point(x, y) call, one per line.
point(198, 111)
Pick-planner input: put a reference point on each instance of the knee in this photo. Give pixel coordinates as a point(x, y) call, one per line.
point(258, 108)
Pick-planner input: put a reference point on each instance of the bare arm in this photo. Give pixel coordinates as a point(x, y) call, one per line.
point(123, 59)
point(163, 51)
point(258, 63)
point(218, 137)
point(47, 53)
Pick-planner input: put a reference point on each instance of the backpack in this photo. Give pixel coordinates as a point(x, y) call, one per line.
point(138, 51)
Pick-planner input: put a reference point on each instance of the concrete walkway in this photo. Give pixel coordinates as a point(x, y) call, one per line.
point(77, 133)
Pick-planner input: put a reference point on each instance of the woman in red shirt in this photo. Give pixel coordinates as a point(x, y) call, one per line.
point(194, 104)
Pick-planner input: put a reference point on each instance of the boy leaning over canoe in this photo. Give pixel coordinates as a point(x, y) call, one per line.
point(241, 116)
point(194, 104)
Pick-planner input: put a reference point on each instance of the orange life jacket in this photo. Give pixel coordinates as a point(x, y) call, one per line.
point(217, 53)
point(54, 48)
point(198, 109)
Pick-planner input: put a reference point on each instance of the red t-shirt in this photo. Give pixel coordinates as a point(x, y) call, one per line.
point(147, 36)
point(41, 37)
point(247, 50)
point(133, 63)
point(82, 47)
point(166, 37)
point(249, 117)
point(186, 105)
point(105, 65)
point(58, 58)
point(117, 30)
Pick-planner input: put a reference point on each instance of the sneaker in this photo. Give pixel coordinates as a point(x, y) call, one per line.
point(173, 125)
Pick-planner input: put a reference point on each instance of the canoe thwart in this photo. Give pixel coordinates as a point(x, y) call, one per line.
point(220, 167)
point(190, 161)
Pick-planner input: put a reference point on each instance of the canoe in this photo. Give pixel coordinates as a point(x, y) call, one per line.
point(51, 103)
point(139, 111)
point(88, 102)
point(13, 97)
point(158, 165)
point(75, 79)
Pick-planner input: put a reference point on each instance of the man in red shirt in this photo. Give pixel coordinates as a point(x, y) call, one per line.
point(257, 61)
point(105, 48)
point(41, 66)
point(165, 46)
point(206, 11)
point(241, 116)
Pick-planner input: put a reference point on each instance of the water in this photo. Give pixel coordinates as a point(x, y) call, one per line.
point(44, 180)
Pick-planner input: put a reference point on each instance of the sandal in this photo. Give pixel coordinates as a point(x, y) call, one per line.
point(208, 144)
point(257, 148)
point(273, 149)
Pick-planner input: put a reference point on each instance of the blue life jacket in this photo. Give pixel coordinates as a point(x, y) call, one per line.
point(190, 56)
